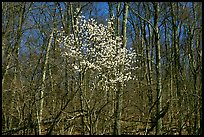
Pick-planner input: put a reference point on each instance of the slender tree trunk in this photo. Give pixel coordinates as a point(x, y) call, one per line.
point(141, 71)
point(148, 67)
point(196, 69)
point(40, 114)
point(176, 63)
point(119, 94)
point(158, 68)
point(66, 70)
point(17, 83)
point(110, 26)
point(170, 84)
point(17, 45)
point(81, 104)
point(118, 19)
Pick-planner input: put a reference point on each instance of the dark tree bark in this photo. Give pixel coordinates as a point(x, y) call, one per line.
point(158, 67)
point(119, 94)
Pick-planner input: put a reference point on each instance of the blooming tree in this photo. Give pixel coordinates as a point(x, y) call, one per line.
point(94, 48)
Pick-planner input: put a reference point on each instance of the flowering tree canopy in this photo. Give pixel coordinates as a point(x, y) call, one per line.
point(93, 47)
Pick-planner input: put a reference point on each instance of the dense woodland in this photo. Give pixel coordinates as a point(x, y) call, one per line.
point(95, 68)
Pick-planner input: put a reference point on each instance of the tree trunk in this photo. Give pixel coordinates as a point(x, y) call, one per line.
point(176, 63)
point(158, 68)
point(40, 114)
point(119, 94)
point(118, 19)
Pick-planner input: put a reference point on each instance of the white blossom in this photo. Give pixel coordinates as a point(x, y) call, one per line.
point(95, 48)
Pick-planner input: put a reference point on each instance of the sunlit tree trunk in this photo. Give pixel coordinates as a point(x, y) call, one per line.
point(42, 90)
point(17, 45)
